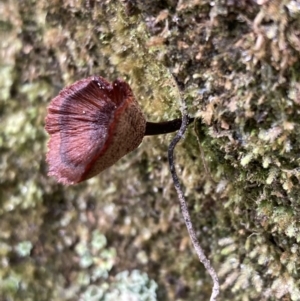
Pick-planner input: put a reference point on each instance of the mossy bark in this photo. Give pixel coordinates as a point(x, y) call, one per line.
point(237, 65)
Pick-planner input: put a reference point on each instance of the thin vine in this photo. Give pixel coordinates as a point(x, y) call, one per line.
point(184, 208)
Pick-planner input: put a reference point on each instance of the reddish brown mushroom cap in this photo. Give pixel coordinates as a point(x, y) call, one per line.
point(92, 124)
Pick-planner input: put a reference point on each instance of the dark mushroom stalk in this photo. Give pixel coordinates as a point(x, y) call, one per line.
point(165, 127)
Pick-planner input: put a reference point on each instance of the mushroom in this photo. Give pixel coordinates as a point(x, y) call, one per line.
point(92, 124)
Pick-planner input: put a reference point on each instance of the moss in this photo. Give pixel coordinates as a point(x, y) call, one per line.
point(236, 64)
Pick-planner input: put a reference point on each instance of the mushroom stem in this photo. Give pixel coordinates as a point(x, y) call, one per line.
point(165, 127)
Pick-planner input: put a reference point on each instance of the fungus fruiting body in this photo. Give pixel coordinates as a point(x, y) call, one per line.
point(92, 124)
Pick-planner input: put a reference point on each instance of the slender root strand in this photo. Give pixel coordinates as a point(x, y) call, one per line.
point(184, 207)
